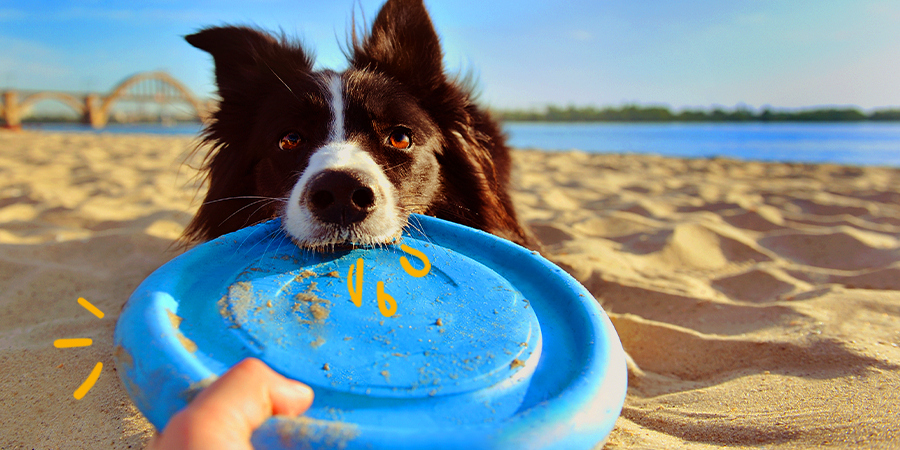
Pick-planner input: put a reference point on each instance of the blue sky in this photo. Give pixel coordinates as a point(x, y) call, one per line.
point(524, 53)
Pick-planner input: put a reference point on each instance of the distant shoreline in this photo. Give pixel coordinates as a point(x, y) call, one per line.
point(637, 113)
point(626, 113)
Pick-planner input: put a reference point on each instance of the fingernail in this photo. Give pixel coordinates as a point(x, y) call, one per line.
point(302, 389)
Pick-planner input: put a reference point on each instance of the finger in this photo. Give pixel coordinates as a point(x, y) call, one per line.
point(251, 392)
point(224, 415)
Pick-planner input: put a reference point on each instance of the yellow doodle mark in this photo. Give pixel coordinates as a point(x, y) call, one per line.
point(88, 306)
point(83, 342)
point(356, 294)
point(386, 304)
point(89, 382)
point(69, 343)
point(418, 273)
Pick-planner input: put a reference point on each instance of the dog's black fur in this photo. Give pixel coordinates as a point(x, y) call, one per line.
point(457, 167)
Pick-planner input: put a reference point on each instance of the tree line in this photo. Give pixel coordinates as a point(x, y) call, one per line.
point(637, 113)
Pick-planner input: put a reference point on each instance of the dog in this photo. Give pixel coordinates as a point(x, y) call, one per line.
point(345, 158)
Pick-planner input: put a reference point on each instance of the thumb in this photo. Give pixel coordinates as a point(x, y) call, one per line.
point(224, 415)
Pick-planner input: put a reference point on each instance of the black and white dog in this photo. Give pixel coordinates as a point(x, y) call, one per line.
point(344, 158)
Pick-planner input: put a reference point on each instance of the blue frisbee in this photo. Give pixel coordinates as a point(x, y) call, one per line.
point(452, 338)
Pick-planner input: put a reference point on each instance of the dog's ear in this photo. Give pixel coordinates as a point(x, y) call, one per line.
point(402, 44)
point(243, 55)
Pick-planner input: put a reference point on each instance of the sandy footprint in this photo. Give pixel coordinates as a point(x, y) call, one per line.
point(759, 285)
point(697, 314)
point(869, 223)
point(550, 234)
point(880, 279)
point(762, 218)
point(843, 249)
point(685, 354)
point(642, 207)
point(692, 246)
point(820, 208)
point(617, 224)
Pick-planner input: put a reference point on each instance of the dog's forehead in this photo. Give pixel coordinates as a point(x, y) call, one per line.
point(381, 96)
point(371, 82)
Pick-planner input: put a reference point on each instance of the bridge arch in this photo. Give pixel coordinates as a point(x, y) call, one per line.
point(69, 100)
point(121, 90)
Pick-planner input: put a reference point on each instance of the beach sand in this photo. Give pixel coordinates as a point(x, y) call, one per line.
point(760, 301)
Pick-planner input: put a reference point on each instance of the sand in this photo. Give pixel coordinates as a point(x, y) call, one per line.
point(760, 301)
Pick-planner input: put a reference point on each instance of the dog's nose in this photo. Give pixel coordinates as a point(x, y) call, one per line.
point(341, 197)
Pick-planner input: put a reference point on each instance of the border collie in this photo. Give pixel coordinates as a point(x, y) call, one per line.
point(344, 158)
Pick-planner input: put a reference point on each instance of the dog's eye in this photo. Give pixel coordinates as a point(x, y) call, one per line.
point(290, 141)
point(400, 139)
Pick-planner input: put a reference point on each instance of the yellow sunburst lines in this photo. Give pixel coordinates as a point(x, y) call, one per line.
point(88, 306)
point(83, 342)
point(89, 382)
point(69, 343)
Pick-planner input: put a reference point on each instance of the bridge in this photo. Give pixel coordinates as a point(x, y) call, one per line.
point(95, 108)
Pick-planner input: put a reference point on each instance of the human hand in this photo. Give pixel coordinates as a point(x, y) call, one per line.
point(225, 414)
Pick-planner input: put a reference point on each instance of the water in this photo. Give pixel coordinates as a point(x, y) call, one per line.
point(866, 143)
point(841, 143)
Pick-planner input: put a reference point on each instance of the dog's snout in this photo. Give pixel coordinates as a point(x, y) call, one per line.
point(341, 197)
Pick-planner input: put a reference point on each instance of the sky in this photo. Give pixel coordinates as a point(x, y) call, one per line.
point(525, 54)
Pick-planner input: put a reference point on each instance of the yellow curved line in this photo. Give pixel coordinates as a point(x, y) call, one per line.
point(88, 306)
point(417, 273)
point(89, 382)
point(69, 343)
point(356, 294)
point(386, 304)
